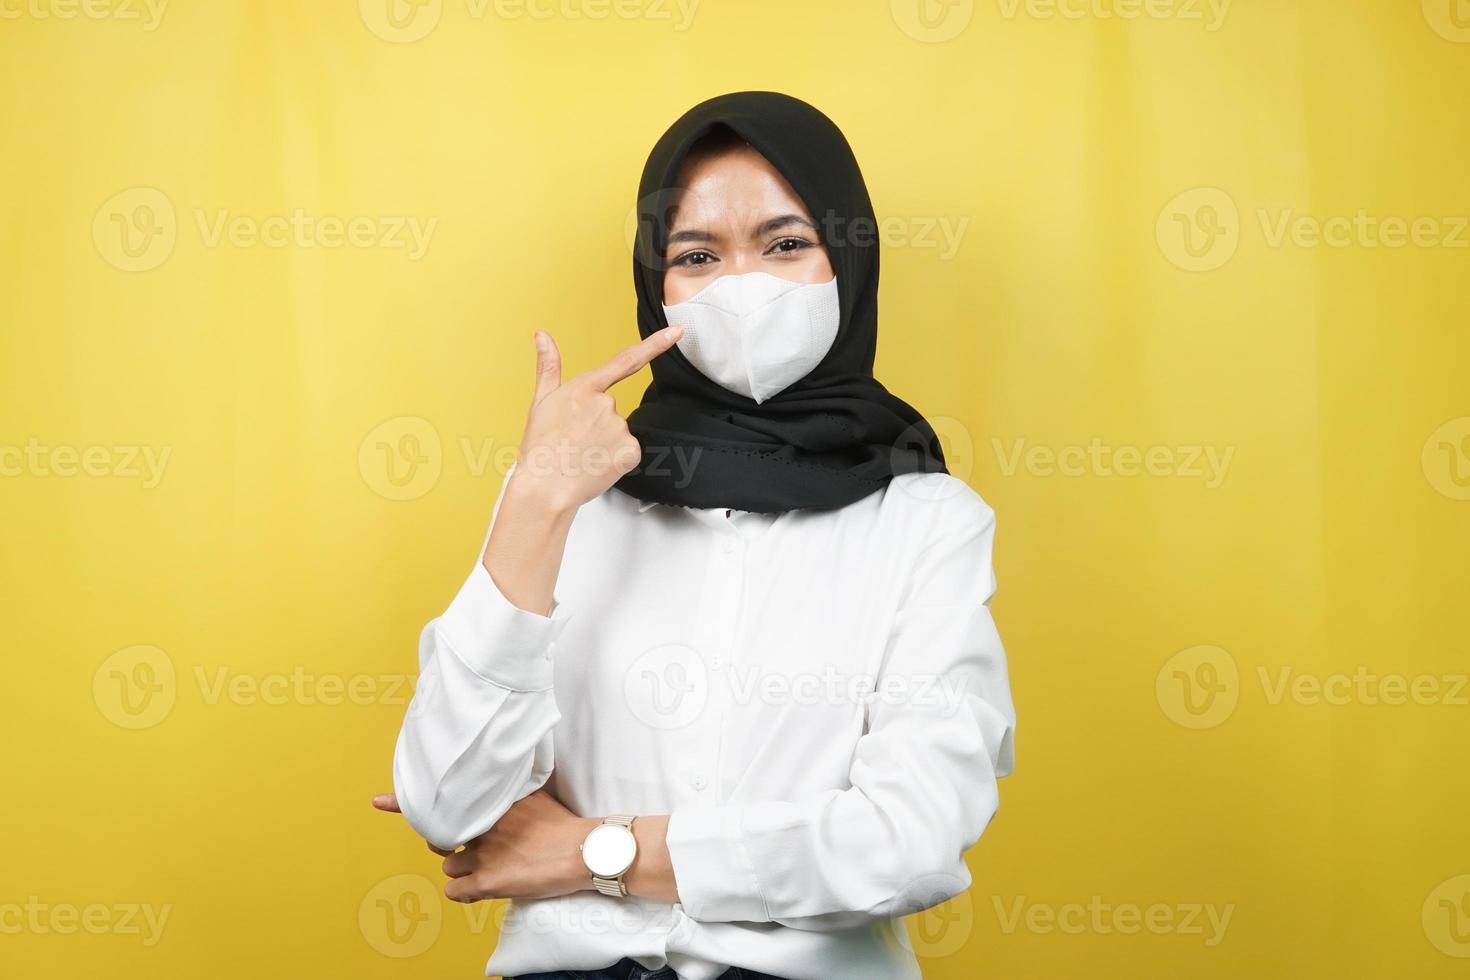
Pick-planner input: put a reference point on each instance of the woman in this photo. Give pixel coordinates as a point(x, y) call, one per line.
point(723, 696)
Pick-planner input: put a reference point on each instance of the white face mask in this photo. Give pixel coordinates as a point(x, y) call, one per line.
point(756, 334)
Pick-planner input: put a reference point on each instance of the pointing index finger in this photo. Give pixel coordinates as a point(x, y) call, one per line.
point(631, 360)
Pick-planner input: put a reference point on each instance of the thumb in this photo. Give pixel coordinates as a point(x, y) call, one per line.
point(548, 366)
point(387, 802)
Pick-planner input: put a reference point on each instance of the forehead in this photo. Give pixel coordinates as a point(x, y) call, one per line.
point(733, 184)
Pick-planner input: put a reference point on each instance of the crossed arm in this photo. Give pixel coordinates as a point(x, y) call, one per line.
point(532, 852)
point(475, 752)
point(475, 755)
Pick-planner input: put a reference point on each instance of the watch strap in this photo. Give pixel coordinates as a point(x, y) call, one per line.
point(614, 887)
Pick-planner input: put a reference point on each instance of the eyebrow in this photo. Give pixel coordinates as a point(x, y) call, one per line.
point(766, 227)
point(781, 222)
point(690, 235)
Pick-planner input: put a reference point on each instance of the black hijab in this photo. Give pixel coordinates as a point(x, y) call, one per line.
point(832, 437)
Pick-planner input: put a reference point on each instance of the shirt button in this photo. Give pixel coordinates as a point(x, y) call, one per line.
point(729, 547)
point(698, 781)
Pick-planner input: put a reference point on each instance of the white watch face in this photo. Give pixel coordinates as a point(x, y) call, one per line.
point(609, 850)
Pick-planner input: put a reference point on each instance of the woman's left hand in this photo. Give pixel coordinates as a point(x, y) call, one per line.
point(533, 851)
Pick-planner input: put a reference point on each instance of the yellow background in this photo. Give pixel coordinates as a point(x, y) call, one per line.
point(271, 553)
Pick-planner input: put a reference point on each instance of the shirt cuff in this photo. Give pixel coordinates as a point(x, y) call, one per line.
point(501, 642)
point(712, 868)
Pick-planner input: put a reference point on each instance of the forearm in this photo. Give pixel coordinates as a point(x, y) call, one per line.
point(534, 852)
point(652, 874)
point(527, 542)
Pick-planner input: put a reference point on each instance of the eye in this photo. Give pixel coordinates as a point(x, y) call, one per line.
point(695, 258)
point(785, 246)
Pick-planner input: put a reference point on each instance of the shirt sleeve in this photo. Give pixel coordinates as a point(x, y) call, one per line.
point(923, 777)
point(477, 734)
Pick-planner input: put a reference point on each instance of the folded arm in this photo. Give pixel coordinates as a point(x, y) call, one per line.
point(477, 735)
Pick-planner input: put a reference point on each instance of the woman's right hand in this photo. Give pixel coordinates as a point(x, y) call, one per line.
point(576, 445)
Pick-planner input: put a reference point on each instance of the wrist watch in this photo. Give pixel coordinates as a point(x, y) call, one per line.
point(608, 852)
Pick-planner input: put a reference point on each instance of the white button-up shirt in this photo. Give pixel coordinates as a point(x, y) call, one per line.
point(819, 699)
